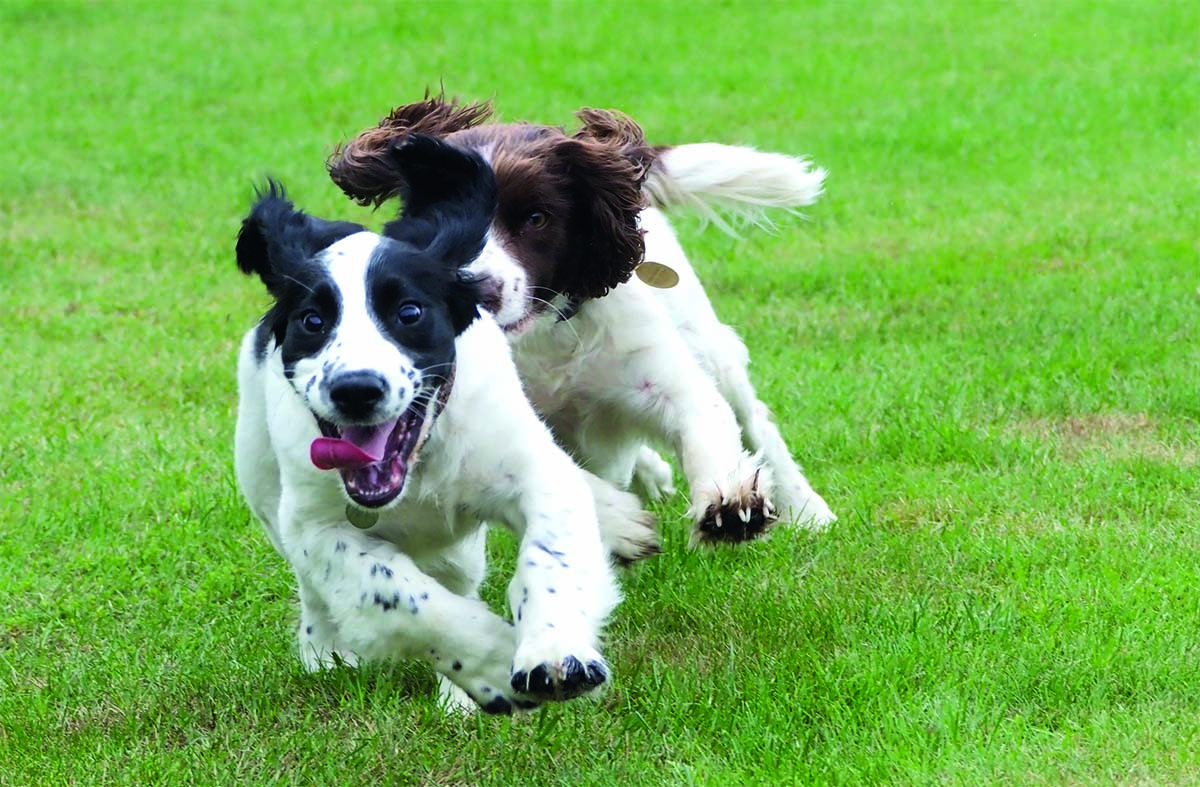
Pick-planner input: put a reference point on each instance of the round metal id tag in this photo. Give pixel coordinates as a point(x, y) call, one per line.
point(657, 275)
point(361, 519)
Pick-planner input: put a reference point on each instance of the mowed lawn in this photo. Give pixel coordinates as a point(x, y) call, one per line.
point(981, 344)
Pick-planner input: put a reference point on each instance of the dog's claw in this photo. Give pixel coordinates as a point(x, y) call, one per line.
point(734, 521)
point(563, 681)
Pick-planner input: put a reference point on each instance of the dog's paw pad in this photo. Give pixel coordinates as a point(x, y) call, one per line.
point(563, 681)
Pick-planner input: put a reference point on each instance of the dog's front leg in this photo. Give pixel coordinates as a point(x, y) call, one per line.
point(665, 390)
point(563, 588)
point(382, 606)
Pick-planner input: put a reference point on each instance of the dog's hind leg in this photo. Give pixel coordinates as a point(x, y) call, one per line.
point(626, 528)
point(451, 698)
point(798, 503)
point(460, 569)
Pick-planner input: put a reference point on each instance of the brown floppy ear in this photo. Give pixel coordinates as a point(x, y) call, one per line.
point(363, 167)
point(608, 159)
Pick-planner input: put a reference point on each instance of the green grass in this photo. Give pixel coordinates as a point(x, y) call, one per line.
point(981, 344)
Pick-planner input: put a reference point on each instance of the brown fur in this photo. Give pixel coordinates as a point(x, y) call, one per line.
point(362, 168)
point(568, 205)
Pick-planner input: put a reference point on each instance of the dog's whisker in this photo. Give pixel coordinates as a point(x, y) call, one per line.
point(297, 281)
point(561, 314)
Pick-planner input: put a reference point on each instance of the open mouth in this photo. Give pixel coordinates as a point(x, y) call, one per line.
point(373, 460)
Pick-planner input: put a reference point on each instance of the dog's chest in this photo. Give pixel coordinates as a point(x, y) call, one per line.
point(418, 527)
point(555, 361)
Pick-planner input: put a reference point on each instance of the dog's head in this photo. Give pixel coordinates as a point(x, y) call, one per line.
point(567, 216)
point(365, 324)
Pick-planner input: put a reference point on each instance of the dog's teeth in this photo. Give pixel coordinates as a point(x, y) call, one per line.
point(719, 522)
point(744, 515)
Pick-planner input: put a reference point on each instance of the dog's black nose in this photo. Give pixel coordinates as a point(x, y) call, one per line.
point(356, 394)
point(490, 291)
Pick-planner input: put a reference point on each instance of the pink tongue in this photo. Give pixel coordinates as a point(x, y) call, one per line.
point(358, 447)
point(328, 453)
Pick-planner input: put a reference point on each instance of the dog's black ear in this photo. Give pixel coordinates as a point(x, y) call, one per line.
point(276, 238)
point(449, 198)
point(365, 169)
point(463, 300)
point(609, 160)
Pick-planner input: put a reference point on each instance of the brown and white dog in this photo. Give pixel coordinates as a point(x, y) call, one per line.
point(609, 361)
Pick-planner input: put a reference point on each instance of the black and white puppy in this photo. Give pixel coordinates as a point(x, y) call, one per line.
point(380, 422)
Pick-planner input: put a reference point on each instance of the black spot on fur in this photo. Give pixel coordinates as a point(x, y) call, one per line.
point(554, 553)
point(387, 604)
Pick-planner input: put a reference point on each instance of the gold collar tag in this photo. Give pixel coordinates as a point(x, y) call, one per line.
point(657, 275)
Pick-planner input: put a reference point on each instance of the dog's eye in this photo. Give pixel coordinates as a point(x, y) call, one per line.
point(537, 220)
point(312, 322)
point(409, 313)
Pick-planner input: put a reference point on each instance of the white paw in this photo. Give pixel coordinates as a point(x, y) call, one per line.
point(314, 657)
point(653, 475)
point(452, 699)
point(813, 517)
point(483, 678)
point(803, 509)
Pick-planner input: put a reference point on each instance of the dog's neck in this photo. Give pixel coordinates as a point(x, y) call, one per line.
point(569, 309)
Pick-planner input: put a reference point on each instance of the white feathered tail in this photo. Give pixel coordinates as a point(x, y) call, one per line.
point(718, 180)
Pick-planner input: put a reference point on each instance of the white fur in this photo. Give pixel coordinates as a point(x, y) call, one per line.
point(743, 181)
point(407, 586)
point(496, 264)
